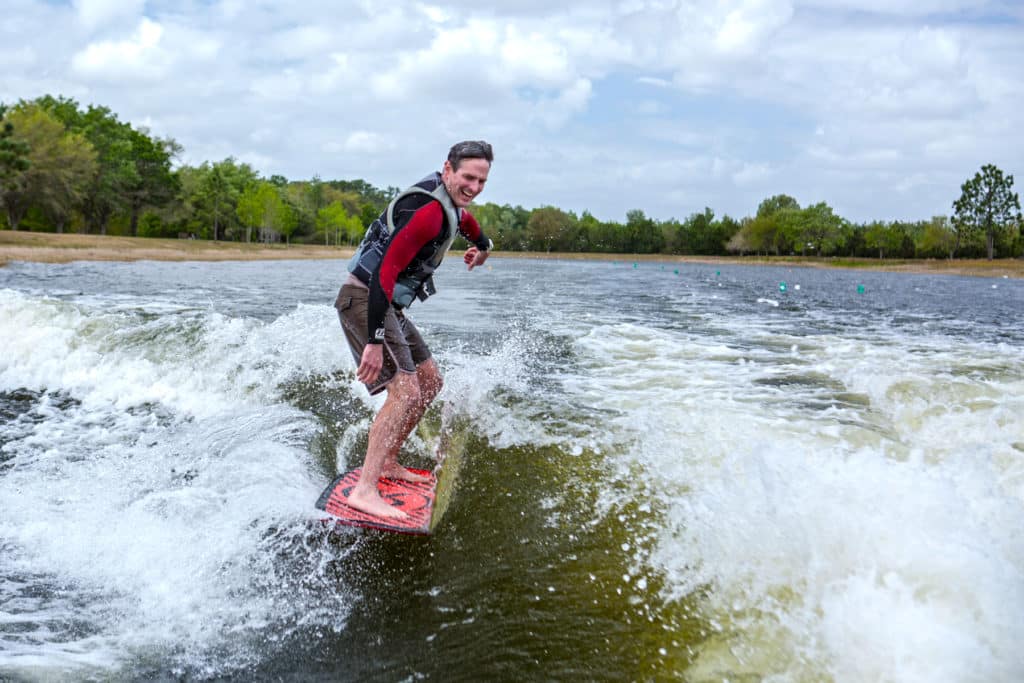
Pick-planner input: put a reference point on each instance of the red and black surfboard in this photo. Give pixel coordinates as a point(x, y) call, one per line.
point(416, 500)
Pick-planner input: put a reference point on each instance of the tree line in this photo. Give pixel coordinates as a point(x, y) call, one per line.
point(64, 167)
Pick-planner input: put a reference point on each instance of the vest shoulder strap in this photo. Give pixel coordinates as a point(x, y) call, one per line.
point(439, 194)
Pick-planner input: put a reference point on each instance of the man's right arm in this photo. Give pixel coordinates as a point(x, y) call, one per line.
point(424, 226)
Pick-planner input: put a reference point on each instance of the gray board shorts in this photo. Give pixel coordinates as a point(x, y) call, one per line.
point(404, 348)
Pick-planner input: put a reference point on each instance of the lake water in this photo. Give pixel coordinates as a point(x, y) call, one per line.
point(669, 472)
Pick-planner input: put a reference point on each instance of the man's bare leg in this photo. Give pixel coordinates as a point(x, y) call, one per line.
point(386, 435)
point(429, 379)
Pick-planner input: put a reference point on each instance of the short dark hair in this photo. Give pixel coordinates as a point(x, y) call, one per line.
point(469, 149)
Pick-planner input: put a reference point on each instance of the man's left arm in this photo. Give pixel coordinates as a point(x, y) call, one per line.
point(481, 249)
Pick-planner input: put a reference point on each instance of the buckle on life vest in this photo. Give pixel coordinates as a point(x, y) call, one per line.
point(427, 289)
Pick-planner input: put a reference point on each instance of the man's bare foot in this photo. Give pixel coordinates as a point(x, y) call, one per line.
point(373, 504)
point(396, 471)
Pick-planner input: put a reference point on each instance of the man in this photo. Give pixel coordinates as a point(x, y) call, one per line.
point(394, 265)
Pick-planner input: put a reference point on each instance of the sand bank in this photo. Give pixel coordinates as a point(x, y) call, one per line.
point(51, 248)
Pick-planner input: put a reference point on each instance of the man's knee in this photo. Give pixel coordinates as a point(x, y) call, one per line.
point(430, 380)
point(405, 387)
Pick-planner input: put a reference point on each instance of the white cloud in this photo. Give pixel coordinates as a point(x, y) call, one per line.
point(752, 173)
point(310, 41)
point(745, 28)
point(666, 105)
point(139, 56)
point(284, 86)
point(99, 13)
point(556, 111)
point(18, 58)
point(365, 142)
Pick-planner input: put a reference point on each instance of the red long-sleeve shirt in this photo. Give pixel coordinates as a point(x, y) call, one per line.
point(419, 234)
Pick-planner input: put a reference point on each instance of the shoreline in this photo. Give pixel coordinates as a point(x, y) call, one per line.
point(40, 247)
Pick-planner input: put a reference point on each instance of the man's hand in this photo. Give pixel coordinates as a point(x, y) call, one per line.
point(474, 257)
point(371, 363)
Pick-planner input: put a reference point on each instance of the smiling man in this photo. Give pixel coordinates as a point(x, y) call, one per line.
point(393, 266)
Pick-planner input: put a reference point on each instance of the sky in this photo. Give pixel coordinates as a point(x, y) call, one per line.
point(880, 108)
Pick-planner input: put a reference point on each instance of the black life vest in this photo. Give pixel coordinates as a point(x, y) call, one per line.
point(416, 281)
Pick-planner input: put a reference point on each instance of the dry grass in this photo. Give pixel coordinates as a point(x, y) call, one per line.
point(51, 248)
point(976, 267)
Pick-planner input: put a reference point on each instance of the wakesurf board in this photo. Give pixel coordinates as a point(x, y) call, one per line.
point(415, 499)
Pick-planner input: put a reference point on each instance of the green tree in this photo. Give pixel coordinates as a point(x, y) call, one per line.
point(549, 228)
point(314, 194)
point(153, 184)
point(364, 192)
point(65, 109)
point(988, 205)
point(115, 174)
point(850, 240)
point(776, 203)
point(775, 228)
point(643, 236)
point(885, 237)
point(819, 228)
point(740, 240)
point(258, 207)
point(218, 197)
point(261, 206)
point(368, 213)
point(286, 220)
point(14, 159)
point(251, 209)
point(705, 235)
point(60, 165)
point(211, 195)
point(937, 238)
point(334, 220)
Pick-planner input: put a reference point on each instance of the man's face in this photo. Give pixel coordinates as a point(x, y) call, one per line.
point(467, 182)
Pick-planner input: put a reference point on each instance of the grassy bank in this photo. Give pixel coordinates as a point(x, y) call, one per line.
point(975, 267)
point(51, 248)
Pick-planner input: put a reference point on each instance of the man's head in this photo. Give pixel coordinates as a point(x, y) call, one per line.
point(465, 170)
point(469, 149)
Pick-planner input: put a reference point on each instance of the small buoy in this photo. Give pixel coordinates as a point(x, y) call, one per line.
point(676, 271)
point(860, 289)
point(634, 264)
point(782, 286)
point(796, 287)
point(718, 272)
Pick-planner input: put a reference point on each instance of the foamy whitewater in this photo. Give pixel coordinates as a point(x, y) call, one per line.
point(705, 476)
